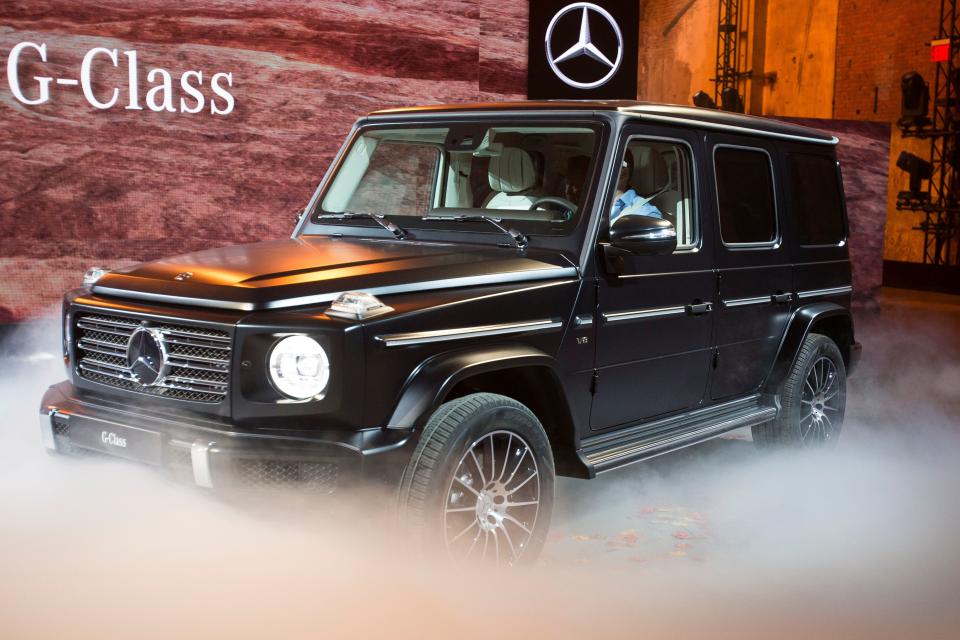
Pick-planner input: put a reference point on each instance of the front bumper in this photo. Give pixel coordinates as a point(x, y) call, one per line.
point(212, 455)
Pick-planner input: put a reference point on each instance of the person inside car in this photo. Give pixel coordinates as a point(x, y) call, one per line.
point(627, 200)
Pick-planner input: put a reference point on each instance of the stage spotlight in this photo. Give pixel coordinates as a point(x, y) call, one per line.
point(915, 101)
point(919, 170)
point(731, 100)
point(701, 99)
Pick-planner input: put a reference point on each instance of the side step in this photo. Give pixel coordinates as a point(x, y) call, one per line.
point(609, 451)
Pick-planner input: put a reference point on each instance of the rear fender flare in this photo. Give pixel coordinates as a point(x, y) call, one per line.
point(800, 325)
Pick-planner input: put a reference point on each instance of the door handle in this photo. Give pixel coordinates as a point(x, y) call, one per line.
point(699, 308)
point(780, 298)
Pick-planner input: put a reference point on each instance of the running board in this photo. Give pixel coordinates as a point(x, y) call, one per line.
point(606, 452)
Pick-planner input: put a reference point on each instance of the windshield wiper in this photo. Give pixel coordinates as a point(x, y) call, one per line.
point(379, 218)
point(518, 238)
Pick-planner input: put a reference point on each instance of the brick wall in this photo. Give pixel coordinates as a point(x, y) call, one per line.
point(877, 42)
point(677, 52)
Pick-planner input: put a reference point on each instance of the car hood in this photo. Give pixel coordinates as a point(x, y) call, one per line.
point(296, 272)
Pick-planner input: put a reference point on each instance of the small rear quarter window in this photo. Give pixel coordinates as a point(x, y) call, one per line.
point(813, 183)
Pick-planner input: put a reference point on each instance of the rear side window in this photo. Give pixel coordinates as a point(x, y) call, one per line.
point(745, 196)
point(814, 187)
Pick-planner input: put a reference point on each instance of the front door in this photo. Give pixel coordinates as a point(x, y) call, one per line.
point(654, 320)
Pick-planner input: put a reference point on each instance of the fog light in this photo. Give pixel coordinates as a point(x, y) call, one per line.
point(357, 305)
point(299, 367)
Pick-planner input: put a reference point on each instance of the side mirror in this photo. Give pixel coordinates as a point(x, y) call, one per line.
point(643, 235)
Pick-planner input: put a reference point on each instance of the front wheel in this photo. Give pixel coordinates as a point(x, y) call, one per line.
point(813, 399)
point(479, 485)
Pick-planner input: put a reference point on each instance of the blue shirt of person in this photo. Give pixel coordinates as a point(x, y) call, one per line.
point(631, 204)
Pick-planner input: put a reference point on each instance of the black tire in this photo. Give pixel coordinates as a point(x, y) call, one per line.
point(494, 428)
point(813, 399)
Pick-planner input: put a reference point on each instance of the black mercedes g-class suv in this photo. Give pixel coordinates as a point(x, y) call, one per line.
point(477, 298)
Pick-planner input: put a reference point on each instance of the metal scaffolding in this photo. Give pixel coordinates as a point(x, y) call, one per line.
point(728, 73)
point(941, 222)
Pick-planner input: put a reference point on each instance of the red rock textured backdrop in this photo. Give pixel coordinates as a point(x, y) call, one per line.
point(81, 186)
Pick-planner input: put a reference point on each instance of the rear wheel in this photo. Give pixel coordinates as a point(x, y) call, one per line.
point(480, 484)
point(813, 399)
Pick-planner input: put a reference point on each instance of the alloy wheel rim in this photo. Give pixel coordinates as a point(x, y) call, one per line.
point(820, 404)
point(493, 500)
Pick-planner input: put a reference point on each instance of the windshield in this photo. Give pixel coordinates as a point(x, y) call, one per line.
point(535, 176)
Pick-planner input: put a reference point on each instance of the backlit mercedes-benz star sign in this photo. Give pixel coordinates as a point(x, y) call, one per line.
point(146, 356)
point(584, 45)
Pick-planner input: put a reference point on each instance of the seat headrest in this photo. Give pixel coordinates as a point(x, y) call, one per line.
point(650, 171)
point(512, 171)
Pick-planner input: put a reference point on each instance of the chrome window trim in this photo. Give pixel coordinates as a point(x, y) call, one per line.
point(638, 314)
point(449, 283)
point(716, 126)
point(745, 302)
point(777, 239)
point(462, 333)
point(832, 291)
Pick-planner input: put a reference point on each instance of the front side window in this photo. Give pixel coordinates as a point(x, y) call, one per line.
point(655, 180)
point(534, 175)
point(814, 186)
point(745, 196)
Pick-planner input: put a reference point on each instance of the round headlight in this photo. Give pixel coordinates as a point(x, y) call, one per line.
point(299, 367)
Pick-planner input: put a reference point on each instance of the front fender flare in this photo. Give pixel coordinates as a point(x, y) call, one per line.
point(429, 383)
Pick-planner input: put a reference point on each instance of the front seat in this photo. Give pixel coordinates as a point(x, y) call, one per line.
point(671, 202)
point(655, 181)
point(511, 176)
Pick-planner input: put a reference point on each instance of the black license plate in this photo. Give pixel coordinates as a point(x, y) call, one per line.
point(117, 440)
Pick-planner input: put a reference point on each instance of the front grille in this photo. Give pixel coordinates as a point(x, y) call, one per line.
point(319, 477)
point(197, 362)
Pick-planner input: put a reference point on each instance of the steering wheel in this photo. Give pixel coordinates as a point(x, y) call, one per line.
point(565, 204)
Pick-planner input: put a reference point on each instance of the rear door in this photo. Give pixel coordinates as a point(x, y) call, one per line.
point(654, 319)
point(755, 270)
point(815, 197)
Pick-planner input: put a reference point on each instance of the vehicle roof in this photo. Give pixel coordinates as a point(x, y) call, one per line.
point(668, 113)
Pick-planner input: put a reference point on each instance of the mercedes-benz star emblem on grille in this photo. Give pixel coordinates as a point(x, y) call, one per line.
point(584, 45)
point(186, 275)
point(146, 356)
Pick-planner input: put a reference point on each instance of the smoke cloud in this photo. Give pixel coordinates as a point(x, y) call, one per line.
point(719, 540)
